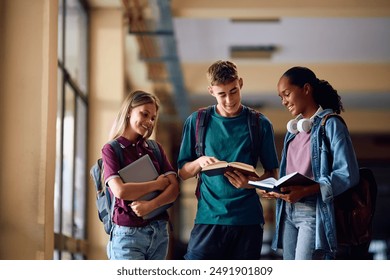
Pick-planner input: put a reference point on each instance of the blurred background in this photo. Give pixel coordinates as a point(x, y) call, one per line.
point(66, 65)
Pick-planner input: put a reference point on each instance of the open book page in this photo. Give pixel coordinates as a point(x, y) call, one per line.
point(271, 184)
point(215, 165)
point(268, 183)
point(294, 178)
point(241, 165)
point(220, 167)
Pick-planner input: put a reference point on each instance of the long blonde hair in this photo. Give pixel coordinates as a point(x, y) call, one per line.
point(132, 100)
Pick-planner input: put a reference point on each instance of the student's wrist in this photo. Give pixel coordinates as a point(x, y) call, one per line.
point(198, 166)
point(311, 190)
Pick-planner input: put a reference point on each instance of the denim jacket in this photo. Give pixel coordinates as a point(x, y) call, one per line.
point(335, 168)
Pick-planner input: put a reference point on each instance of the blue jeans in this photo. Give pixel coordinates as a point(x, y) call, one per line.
point(139, 243)
point(299, 230)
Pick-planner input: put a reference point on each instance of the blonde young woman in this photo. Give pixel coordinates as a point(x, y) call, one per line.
point(132, 237)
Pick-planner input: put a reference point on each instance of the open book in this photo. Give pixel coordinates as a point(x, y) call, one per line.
point(273, 185)
point(143, 170)
point(220, 167)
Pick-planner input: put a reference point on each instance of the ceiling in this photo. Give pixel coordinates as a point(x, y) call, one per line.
point(346, 43)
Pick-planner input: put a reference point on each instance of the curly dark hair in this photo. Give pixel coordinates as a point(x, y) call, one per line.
point(323, 93)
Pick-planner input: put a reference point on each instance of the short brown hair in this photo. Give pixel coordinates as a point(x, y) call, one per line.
point(222, 72)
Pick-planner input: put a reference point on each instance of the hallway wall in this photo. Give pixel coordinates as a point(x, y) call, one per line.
point(28, 92)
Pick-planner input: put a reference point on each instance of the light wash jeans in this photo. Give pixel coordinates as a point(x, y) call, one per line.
point(139, 243)
point(299, 230)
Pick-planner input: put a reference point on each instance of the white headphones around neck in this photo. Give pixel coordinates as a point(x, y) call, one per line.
point(300, 124)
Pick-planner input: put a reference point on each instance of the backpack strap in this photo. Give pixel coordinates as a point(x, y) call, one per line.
point(323, 122)
point(201, 123)
point(118, 150)
point(325, 138)
point(253, 125)
point(326, 117)
point(151, 143)
point(156, 150)
point(109, 195)
point(254, 133)
point(200, 127)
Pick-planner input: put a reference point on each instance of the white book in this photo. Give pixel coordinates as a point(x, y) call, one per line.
point(143, 170)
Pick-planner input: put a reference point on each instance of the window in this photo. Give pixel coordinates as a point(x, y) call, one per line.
point(71, 154)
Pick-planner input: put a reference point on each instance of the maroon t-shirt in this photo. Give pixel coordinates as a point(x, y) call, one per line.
point(123, 214)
